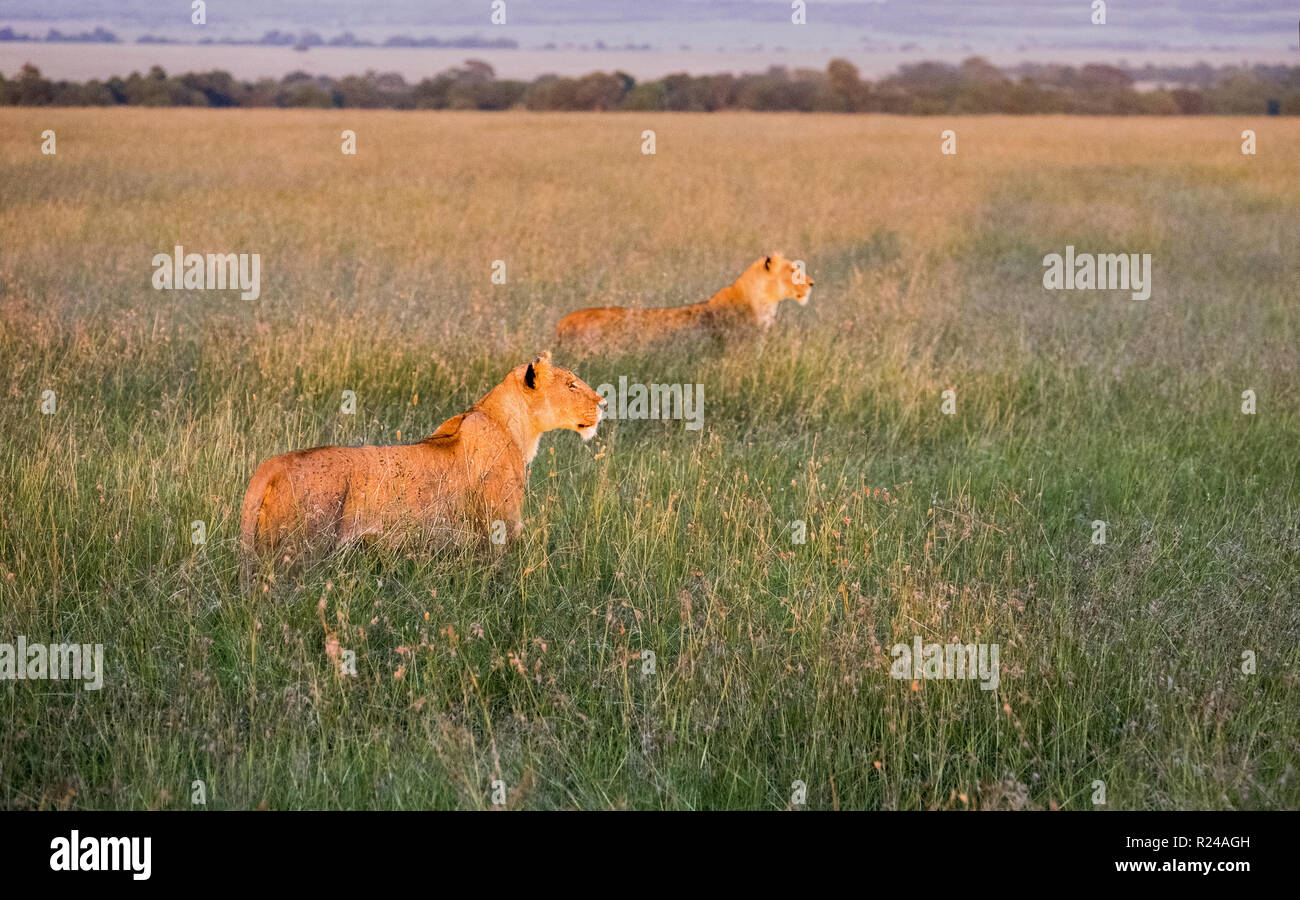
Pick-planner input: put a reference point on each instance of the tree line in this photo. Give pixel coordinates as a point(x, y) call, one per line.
point(925, 88)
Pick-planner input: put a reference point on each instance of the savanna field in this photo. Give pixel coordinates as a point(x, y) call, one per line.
point(1120, 662)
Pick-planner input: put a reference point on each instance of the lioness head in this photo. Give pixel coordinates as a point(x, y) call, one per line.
point(783, 279)
point(557, 398)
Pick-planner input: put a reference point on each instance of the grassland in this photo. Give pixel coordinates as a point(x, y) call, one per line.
point(1120, 662)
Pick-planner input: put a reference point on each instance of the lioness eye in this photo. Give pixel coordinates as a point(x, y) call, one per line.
point(573, 385)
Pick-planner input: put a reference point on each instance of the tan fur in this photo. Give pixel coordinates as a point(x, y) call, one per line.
point(469, 473)
point(749, 303)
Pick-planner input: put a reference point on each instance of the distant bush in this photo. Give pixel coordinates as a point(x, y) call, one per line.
point(925, 88)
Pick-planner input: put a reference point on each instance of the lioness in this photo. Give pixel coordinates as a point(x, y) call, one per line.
point(469, 474)
point(751, 301)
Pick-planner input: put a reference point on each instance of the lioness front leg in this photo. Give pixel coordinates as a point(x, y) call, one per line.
point(504, 523)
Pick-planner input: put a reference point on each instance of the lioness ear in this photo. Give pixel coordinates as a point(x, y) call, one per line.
point(767, 264)
point(544, 358)
point(530, 376)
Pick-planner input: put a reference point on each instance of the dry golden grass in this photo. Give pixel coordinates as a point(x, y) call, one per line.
point(1120, 662)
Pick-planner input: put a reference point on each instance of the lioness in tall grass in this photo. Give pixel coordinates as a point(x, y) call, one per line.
point(466, 477)
point(749, 303)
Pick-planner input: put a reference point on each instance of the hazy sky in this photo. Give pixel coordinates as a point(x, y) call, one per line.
point(671, 23)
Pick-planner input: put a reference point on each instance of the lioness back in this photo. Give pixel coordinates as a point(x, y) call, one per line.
point(330, 495)
point(620, 324)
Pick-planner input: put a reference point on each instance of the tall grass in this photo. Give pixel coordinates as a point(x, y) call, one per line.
point(1120, 662)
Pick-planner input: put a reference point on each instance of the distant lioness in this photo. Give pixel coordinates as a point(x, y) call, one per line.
point(750, 302)
point(469, 475)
